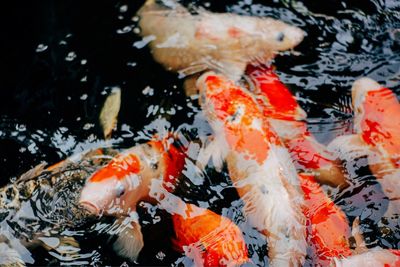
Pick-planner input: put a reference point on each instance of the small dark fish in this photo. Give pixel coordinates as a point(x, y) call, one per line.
point(45, 200)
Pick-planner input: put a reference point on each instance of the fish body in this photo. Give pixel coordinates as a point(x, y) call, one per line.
point(117, 188)
point(377, 121)
point(329, 228)
point(376, 257)
point(226, 42)
point(259, 166)
point(288, 120)
point(208, 238)
point(45, 200)
point(377, 137)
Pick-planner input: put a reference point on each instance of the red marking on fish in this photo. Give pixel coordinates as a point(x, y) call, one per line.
point(380, 122)
point(278, 101)
point(119, 167)
point(174, 160)
point(329, 228)
point(217, 240)
point(234, 32)
point(307, 153)
point(232, 103)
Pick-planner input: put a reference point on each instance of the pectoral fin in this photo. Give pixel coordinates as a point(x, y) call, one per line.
point(212, 151)
point(130, 241)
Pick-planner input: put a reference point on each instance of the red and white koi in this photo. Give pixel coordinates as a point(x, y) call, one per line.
point(259, 165)
point(117, 188)
point(288, 120)
point(377, 135)
point(225, 42)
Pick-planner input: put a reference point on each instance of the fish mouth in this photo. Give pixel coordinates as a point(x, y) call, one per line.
point(90, 207)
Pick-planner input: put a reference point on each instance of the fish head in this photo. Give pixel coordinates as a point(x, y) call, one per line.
point(376, 114)
point(233, 113)
point(278, 35)
point(117, 187)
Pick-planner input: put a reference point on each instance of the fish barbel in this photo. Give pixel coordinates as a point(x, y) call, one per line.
point(288, 120)
point(259, 165)
point(190, 43)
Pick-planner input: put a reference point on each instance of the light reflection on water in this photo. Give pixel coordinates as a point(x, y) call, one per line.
point(341, 45)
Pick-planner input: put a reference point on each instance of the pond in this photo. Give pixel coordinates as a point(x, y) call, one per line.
point(60, 60)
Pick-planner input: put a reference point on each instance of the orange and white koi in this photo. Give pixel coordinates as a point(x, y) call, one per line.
point(225, 42)
point(131, 171)
point(329, 228)
point(377, 136)
point(259, 165)
point(116, 188)
point(204, 236)
point(288, 120)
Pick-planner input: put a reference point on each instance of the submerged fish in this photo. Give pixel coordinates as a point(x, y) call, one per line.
point(329, 228)
point(376, 257)
point(181, 41)
point(288, 120)
point(117, 188)
point(259, 165)
point(377, 136)
point(109, 112)
point(43, 202)
point(204, 236)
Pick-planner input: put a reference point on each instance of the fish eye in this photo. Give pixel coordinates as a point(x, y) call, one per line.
point(120, 189)
point(280, 37)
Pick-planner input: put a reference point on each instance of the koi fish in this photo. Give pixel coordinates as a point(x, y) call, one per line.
point(259, 166)
point(190, 43)
point(371, 258)
point(288, 120)
point(329, 229)
point(377, 136)
point(116, 188)
point(204, 236)
point(55, 186)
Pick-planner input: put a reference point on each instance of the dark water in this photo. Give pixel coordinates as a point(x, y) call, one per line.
point(59, 60)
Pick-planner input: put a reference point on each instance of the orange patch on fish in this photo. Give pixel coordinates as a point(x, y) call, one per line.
point(119, 167)
point(216, 238)
point(330, 228)
point(234, 32)
point(304, 151)
point(174, 160)
point(281, 103)
point(246, 130)
point(377, 127)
